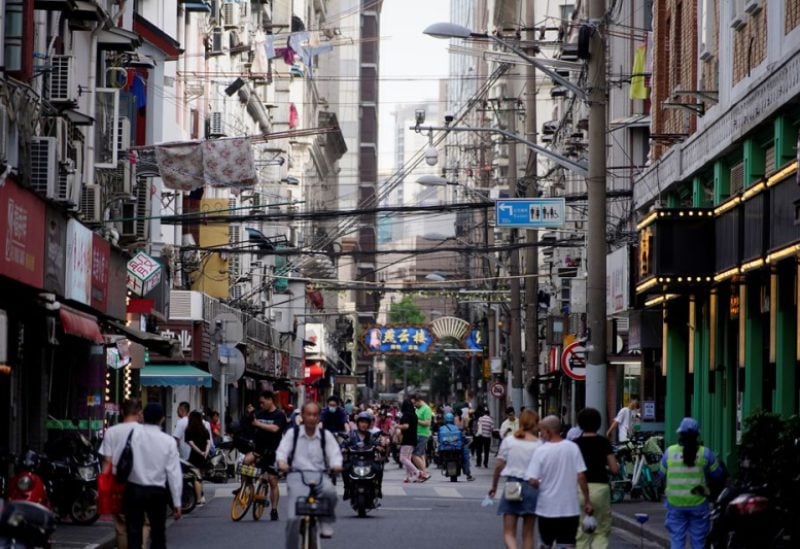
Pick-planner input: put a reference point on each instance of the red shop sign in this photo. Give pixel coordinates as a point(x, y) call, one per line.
point(101, 258)
point(22, 227)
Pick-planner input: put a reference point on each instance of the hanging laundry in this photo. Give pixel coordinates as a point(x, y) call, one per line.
point(260, 60)
point(638, 84)
point(294, 116)
point(139, 91)
point(269, 45)
point(297, 40)
point(287, 54)
point(180, 165)
point(229, 162)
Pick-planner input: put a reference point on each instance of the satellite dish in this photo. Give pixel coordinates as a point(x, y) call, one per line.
point(227, 328)
point(228, 358)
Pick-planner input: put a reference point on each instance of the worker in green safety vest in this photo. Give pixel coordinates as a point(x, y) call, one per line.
point(689, 467)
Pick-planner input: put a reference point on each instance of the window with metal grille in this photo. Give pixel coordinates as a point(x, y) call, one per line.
point(737, 178)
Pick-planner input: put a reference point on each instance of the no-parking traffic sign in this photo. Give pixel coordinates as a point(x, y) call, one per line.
point(573, 360)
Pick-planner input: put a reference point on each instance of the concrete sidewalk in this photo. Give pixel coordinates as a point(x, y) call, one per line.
point(653, 530)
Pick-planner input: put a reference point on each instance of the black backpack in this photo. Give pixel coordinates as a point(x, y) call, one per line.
point(296, 434)
point(125, 462)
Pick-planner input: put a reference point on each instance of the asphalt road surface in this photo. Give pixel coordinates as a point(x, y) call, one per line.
point(436, 514)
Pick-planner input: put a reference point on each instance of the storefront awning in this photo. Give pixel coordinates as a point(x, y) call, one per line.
point(155, 375)
point(78, 324)
point(154, 342)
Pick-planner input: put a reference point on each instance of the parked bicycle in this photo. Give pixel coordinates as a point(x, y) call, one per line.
point(638, 463)
point(253, 491)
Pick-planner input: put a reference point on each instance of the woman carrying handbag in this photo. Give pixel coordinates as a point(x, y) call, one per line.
point(199, 441)
point(518, 498)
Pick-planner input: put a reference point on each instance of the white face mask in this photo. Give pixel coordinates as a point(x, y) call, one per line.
point(331, 408)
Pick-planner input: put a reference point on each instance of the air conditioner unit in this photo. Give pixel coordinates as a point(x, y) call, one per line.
point(65, 188)
point(59, 79)
point(135, 225)
point(123, 135)
point(237, 291)
point(215, 128)
point(230, 14)
point(185, 305)
point(91, 204)
point(128, 172)
point(43, 159)
point(63, 134)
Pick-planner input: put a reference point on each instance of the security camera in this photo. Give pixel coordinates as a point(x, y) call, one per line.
point(431, 156)
point(419, 116)
point(448, 118)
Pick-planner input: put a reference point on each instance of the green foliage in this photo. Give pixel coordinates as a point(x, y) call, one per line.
point(406, 312)
point(769, 452)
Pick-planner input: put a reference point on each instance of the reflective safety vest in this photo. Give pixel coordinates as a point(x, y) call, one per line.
point(682, 479)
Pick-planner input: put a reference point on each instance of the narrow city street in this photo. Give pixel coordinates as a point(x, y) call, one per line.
point(436, 514)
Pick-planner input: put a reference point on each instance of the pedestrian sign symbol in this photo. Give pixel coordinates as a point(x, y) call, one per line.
point(530, 213)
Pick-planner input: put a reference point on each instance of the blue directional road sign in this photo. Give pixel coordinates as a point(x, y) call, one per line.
point(530, 213)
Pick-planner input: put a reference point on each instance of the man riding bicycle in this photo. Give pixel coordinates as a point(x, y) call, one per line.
point(269, 423)
point(308, 447)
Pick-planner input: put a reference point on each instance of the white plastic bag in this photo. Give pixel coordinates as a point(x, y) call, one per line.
point(487, 502)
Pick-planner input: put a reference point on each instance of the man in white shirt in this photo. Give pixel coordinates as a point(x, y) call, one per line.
point(510, 424)
point(308, 447)
point(624, 422)
point(111, 448)
point(155, 465)
point(180, 430)
point(557, 470)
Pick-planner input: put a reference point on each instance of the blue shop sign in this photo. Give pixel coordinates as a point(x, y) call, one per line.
point(398, 339)
point(474, 341)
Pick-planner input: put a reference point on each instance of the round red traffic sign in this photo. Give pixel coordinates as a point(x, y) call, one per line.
point(573, 360)
point(498, 390)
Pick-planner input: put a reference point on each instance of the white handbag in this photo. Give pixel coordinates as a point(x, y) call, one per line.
point(512, 491)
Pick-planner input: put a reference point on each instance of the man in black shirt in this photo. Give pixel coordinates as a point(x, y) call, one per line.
point(600, 460)
point(269, 424)
point(334, 418)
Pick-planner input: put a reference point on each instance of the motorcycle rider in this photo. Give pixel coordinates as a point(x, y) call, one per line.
point(450, 437)
point(363, 437)
point(689, 467)
point(334, 418)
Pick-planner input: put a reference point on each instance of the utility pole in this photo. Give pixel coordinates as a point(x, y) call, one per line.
point(513, 271)
point(596, 186)
point(532, 254)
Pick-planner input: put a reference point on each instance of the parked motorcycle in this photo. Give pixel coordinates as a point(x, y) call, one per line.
point(67, 486)
point(363, 475)
point(451, 461)
point(24, 524)
point(70, 472)
point(746, 517)
point(216, 468)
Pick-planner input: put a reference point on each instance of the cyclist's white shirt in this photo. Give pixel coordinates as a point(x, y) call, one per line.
point(308, 454)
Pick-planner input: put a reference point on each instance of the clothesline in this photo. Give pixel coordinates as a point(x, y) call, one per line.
point(254, 139)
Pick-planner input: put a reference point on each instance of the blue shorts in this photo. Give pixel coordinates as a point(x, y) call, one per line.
point(527, 506)
point(422, 446)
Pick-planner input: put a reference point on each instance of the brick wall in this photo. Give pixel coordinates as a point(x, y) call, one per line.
point(674, 67)
point(709, 69)
point(749, 46)
point(791, 15)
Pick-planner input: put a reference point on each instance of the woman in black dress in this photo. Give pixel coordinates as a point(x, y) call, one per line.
point(199, 440)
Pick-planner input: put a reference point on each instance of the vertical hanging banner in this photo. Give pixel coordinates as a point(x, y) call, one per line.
point(79, 262)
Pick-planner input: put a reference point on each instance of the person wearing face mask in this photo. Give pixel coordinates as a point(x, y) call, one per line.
point(334, 418)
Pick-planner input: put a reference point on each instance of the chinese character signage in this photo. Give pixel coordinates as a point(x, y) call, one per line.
point(22, 220)
point(398, 339)
point(144, 274)
point(474, 341)
point(79, 262)
point(101, 257)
